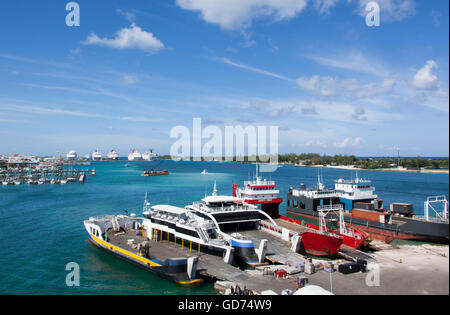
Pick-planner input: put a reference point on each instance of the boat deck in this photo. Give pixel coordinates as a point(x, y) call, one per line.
point(345, 251)
point(293, 226)
point(278, 250)
point(214, 268)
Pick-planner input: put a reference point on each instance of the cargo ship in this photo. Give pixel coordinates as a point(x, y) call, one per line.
point(264, 193)
point(125, 237)
point(367, 213)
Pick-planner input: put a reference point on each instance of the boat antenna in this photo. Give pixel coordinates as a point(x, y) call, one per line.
point(215, 189)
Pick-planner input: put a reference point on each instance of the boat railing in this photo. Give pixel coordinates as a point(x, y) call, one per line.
point(262, 182)
point(431, 219)
point(202, 206)
point(437, 205)
point(329, 208)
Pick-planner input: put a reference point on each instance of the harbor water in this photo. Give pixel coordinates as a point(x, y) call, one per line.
point(42, 225)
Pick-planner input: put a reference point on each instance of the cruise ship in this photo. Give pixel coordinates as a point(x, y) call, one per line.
point(134, 156)
point(127, 237)
point(72, 155)
point(112, 155)
point(96, 155)
point(149, 156)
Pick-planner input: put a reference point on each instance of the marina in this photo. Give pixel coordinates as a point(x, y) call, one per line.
point(218, 275)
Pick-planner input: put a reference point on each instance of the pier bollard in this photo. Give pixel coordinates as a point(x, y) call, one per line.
point(182, 243)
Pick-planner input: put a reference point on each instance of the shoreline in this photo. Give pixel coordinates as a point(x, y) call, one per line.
point(351, 168)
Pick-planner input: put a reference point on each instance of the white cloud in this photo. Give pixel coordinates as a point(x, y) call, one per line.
point(324, 6)
point(353, 60)
point(350, 88)
point(129, 79)
point(348, 142)
point(129, 16)
point(253, 69)
point(325, 86)
point(372, 89)
point(424, 78)
point(133, 37)
point(390, 10)
point(239, 14)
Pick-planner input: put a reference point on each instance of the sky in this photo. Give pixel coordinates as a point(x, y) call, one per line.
point(133, 70)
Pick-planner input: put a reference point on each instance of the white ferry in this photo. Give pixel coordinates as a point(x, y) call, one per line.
point(231, 214)
point(187, 229)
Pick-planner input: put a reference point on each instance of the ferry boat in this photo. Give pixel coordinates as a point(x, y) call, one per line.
point(149, 156)
point(126, 238)
point(112, 155)
point(134, 156)
point(96, 155)
point(187, 230)
point(72, 155)
point(231, 214)
point(370, 217)
point(260, 192)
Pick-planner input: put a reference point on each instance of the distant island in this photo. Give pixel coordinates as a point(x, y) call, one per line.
point(412, 164)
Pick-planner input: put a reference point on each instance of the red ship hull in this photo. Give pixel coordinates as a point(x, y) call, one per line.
point(318, 244)
point(357, 243)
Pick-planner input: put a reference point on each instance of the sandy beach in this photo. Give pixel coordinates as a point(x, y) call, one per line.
point(404, 170)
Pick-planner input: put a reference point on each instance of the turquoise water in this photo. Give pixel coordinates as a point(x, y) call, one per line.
point(42, 226)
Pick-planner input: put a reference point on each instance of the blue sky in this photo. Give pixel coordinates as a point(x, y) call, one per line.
point(134, 69)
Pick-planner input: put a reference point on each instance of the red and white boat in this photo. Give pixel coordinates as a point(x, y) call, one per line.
point(352, 237)
point(262, 192)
